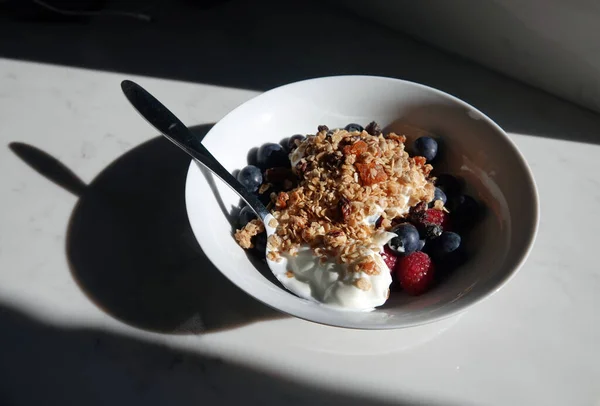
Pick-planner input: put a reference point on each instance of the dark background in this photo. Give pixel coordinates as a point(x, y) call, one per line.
point(261, 44)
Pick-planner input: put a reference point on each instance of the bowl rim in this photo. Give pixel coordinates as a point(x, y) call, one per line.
point(459, 307)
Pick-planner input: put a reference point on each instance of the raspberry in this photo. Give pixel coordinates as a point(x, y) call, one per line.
point(415, 273)
point(438, 217)
point(389, 257)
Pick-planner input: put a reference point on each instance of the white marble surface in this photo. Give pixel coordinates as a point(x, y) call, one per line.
point(86, 327)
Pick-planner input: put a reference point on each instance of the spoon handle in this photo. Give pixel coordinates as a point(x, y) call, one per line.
point(175, 131)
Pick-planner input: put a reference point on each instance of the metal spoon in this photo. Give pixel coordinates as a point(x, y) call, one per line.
point(176, 132)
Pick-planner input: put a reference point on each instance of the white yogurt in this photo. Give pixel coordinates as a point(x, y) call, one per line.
point(332, 283)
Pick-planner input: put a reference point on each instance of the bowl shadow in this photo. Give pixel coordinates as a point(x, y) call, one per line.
point(132, 251)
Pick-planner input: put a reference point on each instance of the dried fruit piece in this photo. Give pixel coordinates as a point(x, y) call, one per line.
point(420, 160)
point(282, 199)
point(373, 128)
point(344, 209)
point(356, 149)
point(370, 173)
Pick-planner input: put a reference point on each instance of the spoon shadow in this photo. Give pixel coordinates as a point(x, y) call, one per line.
point(132, 251)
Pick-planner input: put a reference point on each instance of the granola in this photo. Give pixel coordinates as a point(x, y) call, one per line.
point(352, 209)
point(343, 178)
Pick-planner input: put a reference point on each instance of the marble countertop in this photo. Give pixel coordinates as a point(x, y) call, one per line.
point(105, 296)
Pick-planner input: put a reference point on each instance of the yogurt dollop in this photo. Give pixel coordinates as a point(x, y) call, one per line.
point(335, 284)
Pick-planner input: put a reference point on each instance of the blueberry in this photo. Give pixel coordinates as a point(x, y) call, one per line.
point(406, 240)
point(449, 184)
point(260, 243)
point(292, 141)
point(354, 127)
point(245, 215)
point(445, 244)
point(438, 194)
point(251, 177)
point(272, 155)
point(421, 245)
point(464, 210)
point(426, 147)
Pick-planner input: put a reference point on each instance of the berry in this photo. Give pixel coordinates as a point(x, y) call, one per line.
point(245, 215)
point(251, 177)
point(426, 147)
point(438, 217)
point(354, 127)
point(389, 257)
point(415, 273)
point(260, 243)
point(447, 243)
point(406, 240)
point(449, 184)
point(291, 145)
point(421, 245)
point(272, 155)
point(439, 194)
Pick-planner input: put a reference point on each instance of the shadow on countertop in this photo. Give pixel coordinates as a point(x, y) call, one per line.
point(132, 251)
point(51, 365)
point(266, 43)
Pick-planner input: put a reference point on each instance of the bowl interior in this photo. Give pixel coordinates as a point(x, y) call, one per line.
point(474, 148)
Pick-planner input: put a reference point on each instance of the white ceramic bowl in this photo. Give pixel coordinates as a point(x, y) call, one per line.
point(475, 148)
